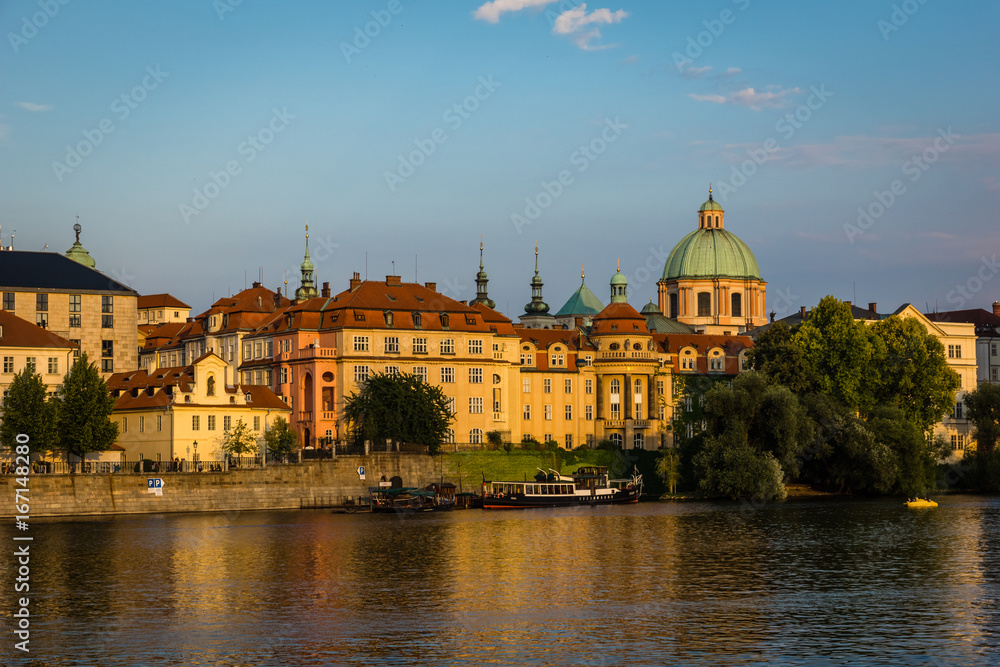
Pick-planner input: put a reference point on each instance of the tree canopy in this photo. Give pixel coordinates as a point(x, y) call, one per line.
point(399, 407)
point(239, 440)
point(281, 438)
point(85, 408)
point(27, 410)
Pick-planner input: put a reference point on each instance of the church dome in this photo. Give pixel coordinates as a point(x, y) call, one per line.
point(711, 253)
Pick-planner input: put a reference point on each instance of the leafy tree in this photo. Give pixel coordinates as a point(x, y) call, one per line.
point(26, 410)
point(668, 467)
point(281, 438)
point(909, 371)
point(85, 406)
point(778, 355)
point(837, 351)
point(495, 438)
point(239, 440)
point(910, 447)
point(735, 470)
point(983, 409)
point(401, 408)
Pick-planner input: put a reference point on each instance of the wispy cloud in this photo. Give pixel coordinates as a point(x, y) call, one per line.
point(575, 22)
point(631, 60)
point(31, 106)
point(689, 72)
point(491, 11)
point(749, 97)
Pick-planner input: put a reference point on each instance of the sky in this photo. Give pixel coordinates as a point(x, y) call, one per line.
point(855, 145)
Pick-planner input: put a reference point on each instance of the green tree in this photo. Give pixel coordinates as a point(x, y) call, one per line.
point(777, 355)
point(668, 467)
point(495, 438)
point(911, 448)
point(983, 410)
point(85, 406)
point(837, 351)
point(909, 370)
point(239, 440)
point(399, 407)
point(27, 410)
point(735, 470)
point(281, 438)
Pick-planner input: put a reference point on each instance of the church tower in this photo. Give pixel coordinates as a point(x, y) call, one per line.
point(536, 314)
point(307, 290)
point(481, 296)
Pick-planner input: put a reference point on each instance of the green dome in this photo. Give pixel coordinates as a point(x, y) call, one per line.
point(619, 279)
point(710, 205)
point(711, 253)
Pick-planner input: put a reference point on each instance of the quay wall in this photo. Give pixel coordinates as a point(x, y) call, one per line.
point(308, 484)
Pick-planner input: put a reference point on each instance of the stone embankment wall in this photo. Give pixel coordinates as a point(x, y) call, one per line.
point(310, 484)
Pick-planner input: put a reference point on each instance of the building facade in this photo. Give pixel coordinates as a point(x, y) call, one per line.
point(25, 345)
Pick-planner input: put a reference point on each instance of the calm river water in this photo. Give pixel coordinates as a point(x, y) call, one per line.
point(816, 583)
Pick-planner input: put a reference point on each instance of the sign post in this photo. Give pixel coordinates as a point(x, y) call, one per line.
point(154, 485)
point(361, 472)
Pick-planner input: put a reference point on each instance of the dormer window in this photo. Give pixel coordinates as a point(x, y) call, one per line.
point(248, 397)
point(444, 320)
point(417, 321)
point(387, 315)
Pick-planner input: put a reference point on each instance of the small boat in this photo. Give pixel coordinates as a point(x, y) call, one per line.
point(408, 500)
point(589, 485)
point(916, 503)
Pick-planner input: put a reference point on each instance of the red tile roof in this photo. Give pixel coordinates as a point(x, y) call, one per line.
point(159, 301)
point(15, 332)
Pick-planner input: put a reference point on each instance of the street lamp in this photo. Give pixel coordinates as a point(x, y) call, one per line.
point(195, 445)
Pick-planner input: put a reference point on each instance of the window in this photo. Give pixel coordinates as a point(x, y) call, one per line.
point(558, 360)
point(475, 405)
point(124, 424)
point(588, 412)
point(476, 436)
point(392, 371)
point(41, 302)
point(525, 358)
point(391, 344)
point(957, 414)
point(547, 385)
point(417, 321)
point(360, 373)
point(211, 422)
point(451, 404)
point(638, 441)
point(283, 376)
point(687, 364)
point(548, 412)
point(361, 343)
point(958, 442)
point(447, 374)
point(8, 364)
point(568, 386)
point(616, 410)
point(419, 346)
point(195, 423)
point(42, 320)
point(8, 301)
point(420, 372)
point(527, 411)
point(716, 364)
point(74, 321)
point(449, 436)
point(588, 386)
point(159, 422)
point(687, 403)
point(659, 387)
point(75, 303)
point(387, 315)
point(526, 385)
point(256, 423)
point(737, 309)
point(107, 321)
point(616, 439)
point(993, 349)
point(76, 350)
point(662, 412)
point(615, 388)
point(475, 376)
point(475, 346)
point(53, 365)
point(569, 411)
point(569, 441)
point(994, 374)
point(142, 424)
point(227, 423)
point(448, 346)
point(704, 304)
point(444, 321)
point(954, 351)
point(107, 304)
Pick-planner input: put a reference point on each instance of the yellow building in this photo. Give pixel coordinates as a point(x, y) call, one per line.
point(161, 308)
point(67, 296)
point(163, 413)
point(22, 344)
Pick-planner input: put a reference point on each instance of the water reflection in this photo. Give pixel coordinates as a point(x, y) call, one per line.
point(817, 583)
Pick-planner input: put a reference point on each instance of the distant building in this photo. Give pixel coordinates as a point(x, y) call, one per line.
point(66, 295)
point(23, 344)
point(153, 309)
point(987, 328)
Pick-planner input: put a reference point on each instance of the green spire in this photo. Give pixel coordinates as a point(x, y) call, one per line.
point(537, 305)
point(308, 288)
point(78, 253)
point(481, 296)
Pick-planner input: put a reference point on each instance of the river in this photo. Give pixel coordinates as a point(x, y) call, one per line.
point(799, 583)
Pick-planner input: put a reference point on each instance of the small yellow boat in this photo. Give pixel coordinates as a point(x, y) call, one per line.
point(920, 502)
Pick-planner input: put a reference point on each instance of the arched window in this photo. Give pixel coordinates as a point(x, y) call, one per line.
point(444, 320)
point(449, 436)
point(716, 221)
point(638, 441)
point(615, 387)
point(638, 386)
point(616, 439)
point(476, 436)
point(673, 306)
point(704, 304)
point(737, 309)
point(416, 320)
point(388, 318)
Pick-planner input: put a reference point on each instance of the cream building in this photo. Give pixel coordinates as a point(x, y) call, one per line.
point(22, 344)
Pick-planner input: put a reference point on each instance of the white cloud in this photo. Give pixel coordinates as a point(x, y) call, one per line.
point(491, 11)
point(31, 106)
point(749, 97)
point(575, 22)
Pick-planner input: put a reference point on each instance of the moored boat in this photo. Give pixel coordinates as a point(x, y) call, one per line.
point(589, 485)
point(916, 503)
point(405, 499)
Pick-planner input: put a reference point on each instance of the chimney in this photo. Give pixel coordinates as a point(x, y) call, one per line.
point(256, 284)
point(431, 286)
point(392, 280)
point(325, 293)
point(802, 313)
point(996, 308)
point(356, 280)
point(872, 306)
point(277, 298)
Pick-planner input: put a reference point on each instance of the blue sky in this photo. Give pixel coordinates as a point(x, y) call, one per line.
point(213, 131)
